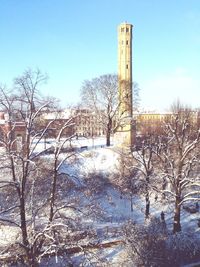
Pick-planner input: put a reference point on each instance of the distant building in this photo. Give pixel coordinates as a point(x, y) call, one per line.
point(149, 122)
point(153, 122)
point(55, 121)
point(14, 131)
point(87, 123)
point(82, 122)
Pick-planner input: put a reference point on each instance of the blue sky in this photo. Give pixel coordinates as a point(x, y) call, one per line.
point(75, 40)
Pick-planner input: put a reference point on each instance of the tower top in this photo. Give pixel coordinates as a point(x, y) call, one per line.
point(125, 24)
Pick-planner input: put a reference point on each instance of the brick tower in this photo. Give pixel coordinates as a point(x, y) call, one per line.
point(125, 132)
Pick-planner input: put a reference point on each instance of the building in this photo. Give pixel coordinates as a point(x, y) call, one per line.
point(14, 131)
point(151, 122)
point(124, 135)
point(81, 122)
point(87, 123)
point(155, 122)
point(54, 122)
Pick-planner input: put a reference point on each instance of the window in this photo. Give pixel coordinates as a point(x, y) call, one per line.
point(127, 29)
point(122, 29)
point(19, 142)
point(122, 42)
point(127, 42)
point(126, 66)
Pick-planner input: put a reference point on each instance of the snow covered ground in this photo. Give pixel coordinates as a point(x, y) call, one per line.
point(81, 142)
point(94, 158)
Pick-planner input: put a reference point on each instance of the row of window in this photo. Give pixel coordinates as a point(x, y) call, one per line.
point(127, 42)
point(123, 29)
point(88, 129)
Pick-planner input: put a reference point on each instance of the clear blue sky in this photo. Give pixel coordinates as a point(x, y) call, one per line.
point(74, 40)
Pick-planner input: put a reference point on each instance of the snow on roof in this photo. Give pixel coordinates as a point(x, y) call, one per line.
point(65, 114)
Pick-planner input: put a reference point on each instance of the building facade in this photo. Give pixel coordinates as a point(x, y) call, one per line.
point(13, 132)
point(151, 122)
point(155, 122)
point(82, 122)
point(87, 123)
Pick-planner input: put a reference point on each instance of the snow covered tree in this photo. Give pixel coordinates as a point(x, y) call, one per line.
point(178, 154)
point(21, 163)
point(126, 177)
point(144, 158)
point(145, 243)
point(57, 164)
point(151, 244)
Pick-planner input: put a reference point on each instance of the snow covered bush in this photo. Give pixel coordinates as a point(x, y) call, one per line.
point(182, 248)
point(153, 245)
point(145, 244)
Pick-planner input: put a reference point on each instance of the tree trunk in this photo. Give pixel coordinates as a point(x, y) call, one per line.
point(53, 192)
point(177, 210)
point(177, 216)
point(23, 222)
point(164, 185)
point(147, 208)
point(108, 132)
point(32, 261)
point(131, 202)
point(107, 139)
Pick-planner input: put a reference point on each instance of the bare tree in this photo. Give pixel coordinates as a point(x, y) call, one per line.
point(145, 243)
point(151, 244)
point(126, 177)
point(23, 107)
point(101, 95)
point(144, 158)
point(36, 190)
point(57, 163)
point(178, 154)
point(136, 171)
